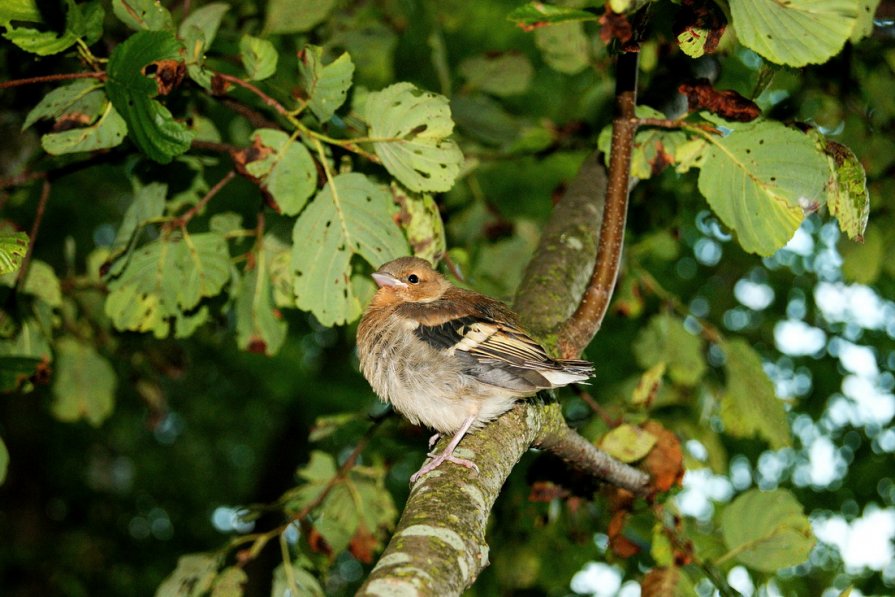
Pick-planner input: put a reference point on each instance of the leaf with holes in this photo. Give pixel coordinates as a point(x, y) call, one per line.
point(760, 179)
point(327, 85)
point(77, 97)
point(422, 223)
point(284, 168)
point(13, 246)
point(83, 383)
point(351, 216)
point(149, 123)
point(410, 130)
point(847, 197)
point(795, 32)
point(104, 130)
point(767, 530)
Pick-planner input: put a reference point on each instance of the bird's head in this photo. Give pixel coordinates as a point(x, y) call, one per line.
point(408, 279)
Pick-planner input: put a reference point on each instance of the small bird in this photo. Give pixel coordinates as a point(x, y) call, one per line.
point(449, 358)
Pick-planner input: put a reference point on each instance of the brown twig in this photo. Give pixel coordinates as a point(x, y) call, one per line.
point(35, 228)
point(51, 78)
point(588, 317)
point(269, 101)
point(676, 123)
point(255, 118)
point(200, 205)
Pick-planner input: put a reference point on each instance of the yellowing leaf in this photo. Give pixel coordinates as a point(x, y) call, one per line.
point(351, 215)
point(627, 443)
point(410, 130)
point(847, 195)
point(665, 340)
point(193, 576)
point(421, 221)
point(766, 530)
point(13, 246)
point(749, 405)
point(83, 383)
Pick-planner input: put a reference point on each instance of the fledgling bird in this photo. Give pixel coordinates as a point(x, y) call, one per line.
point(449, 358)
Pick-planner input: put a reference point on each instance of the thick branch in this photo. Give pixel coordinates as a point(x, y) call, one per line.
point(587, 319)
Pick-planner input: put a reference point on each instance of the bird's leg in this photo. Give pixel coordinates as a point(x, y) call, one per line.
point(432, 441)
point(447, 455)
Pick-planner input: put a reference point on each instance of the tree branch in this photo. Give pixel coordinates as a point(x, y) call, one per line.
point(35, 228)
point(51, 78)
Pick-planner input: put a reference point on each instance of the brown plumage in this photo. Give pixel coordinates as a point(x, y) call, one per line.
point(449, 358)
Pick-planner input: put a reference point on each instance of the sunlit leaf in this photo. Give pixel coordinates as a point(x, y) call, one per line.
point(83, 383)
point(749, 405)
point(149, 123)
point(285, 168)
point(649, 384)
point(864, 23)
point(796, 32)
point(351, 215)
point(847, 197)
point(294, 16)
point(665, 340)
point(230, 582)
point(13, 246)
point(767, 530)
point(326, 86)
point(627, 443)
point(143, 15)
point(761, 179)
point(259, 57)
point(410, 129)
point(193, 576)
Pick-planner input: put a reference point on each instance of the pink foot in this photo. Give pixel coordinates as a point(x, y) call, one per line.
point(438, 460)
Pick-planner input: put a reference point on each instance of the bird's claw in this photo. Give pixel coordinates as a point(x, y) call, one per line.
point(438, 460)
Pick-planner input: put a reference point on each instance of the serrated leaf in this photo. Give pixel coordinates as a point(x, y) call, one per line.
point(421, 222)
point(767, 530)
point(502, 74)
point(294, 16)
point(760, 179)
point(565, 47)
point(81, 22)
point(326, 86)
point(285, 169)
point(665, 340)
point(149, 123)
point(19, 10)
point(206, 19)
point(143, 15)
point(83, 383)
point(351, 215)
point(847, 197)
point(627, 443)
point(62, 100)
point(410, 129)
point(105, 132)
point(193, 576)
point(295, 581)
point(796, 32)
point(165, 280)
point(13, 247)
point(229, 583)
point(539, 14)
point(259, 328)
point(749, 405)
point(259, 57)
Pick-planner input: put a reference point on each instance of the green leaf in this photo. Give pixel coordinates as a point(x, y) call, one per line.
point(206, 19)
point(410, 129)
point(193, 577)
point(649, 384)
point(259, 57)
point(847, 197)
point(19, 10)
point(143, 15)
point(4, 461)
point(760, 179)
point(351, 215)
point(326, 86)
point(501, 74)
point(294, 580)
point(285, 169)
point(421, 221)
point(81, 22)
point(148, 204)
point(565, 47)
point(749, 405)
point(795, 32)
point(105, 132)
point(259, 328)
point(295, 16)
point(83, 383)
point(864, 23)
point(165, 280)
point(665, 340)
point(539, 14)
point(41, 282)
point(15, 370)
point(229, 583)
point(766, 530)
point(628, 443)
point(863, 262)
point(13, 247)
point(66, 99)
point(150, 124)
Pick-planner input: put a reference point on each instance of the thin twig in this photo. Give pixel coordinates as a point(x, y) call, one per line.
point(269, 101)
point(200, 205)
point(51, 78)
point(35, 228)
point(588, 317)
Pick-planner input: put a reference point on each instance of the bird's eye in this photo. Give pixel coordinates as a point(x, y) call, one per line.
point(413, 279)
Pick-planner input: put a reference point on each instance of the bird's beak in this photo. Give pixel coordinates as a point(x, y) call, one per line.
point(383, 280)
